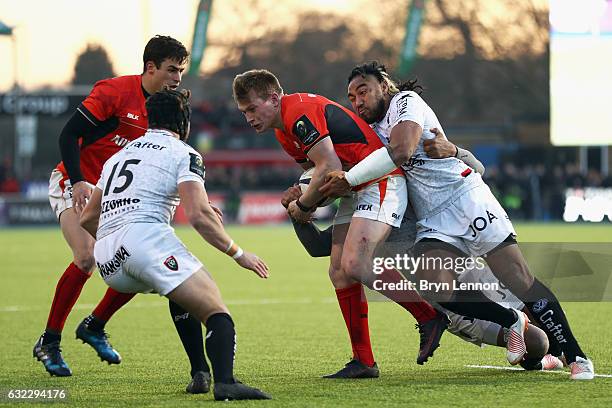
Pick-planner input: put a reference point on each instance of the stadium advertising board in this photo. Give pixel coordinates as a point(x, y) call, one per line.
point(580, 67)
point(590, 204)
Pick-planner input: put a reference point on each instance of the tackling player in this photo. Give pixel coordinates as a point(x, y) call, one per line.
point(136, 250)
point(110, 117)
point(456, 212)
point(317, 131)
point(318, 244)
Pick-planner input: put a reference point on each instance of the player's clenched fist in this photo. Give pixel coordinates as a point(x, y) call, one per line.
point(439, 147)
point(297, 214)
point(335, 185)
point(290, 194)
point(254, 263)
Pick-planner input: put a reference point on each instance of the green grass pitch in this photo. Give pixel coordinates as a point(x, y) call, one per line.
point(290, 332)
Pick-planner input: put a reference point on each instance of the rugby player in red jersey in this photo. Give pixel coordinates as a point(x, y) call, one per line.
point(112, 115)
point(317, 131)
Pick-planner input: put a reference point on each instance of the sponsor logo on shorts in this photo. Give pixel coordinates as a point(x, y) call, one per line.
point(364, 207)
point(481, 223)
point(395, 216)
point(109, 268)
point(540, 305)
point(171, 263)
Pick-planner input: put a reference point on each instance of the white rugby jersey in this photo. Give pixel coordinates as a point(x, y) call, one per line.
point(140, 183)
point(432, 183)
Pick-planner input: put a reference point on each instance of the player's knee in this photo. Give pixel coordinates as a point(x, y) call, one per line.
point(338, 277)
point(353, 266)
point(85, 262)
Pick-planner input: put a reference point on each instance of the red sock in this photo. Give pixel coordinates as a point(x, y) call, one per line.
point(408, 299)
point(110, 303)
point(354, 306)
point(67, 292)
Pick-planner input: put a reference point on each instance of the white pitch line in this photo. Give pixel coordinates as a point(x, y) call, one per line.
point(520, 369)
point(241, 302)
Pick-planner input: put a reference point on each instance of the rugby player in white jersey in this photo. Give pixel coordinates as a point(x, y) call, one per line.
point(457, 214)
point(136, 249)
point(479, 332)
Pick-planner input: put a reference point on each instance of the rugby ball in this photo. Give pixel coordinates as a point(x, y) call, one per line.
point(305, 182)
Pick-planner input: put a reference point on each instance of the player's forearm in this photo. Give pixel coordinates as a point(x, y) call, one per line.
point(468, 158)
point(376, 165)
point(312, 196)
point(207, 224)
point(316, 242)
point(76, 126)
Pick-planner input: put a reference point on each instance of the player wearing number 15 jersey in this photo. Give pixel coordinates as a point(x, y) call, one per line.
point(111, 116)
point(137, 250)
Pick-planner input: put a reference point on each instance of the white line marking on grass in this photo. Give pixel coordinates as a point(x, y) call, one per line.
point(520, 369)
point(142, 305)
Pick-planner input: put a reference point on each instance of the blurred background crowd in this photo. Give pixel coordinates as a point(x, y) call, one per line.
point(487, 82)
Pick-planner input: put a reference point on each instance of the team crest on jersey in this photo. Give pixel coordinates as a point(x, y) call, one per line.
point(305, 130)
point(196, 165)
point(171, 263)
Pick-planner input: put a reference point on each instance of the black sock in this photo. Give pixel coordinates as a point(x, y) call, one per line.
point(545, 308)
point(189, 330)
point(472, 303)
point(531, 364)
point(49, 337)
point(94, 324)
point(221, 346)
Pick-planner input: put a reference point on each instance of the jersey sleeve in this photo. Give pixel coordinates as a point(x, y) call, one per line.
point(408, 106)
point(102, 103)
point(290, 146)
point(191, 167)
point(306, 123)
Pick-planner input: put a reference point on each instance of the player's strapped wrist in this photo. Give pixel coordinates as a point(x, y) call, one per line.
point(234, 250)
point(302, 207)
point(376, 165)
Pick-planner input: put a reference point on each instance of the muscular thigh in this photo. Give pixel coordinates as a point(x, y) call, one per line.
point(79, 240)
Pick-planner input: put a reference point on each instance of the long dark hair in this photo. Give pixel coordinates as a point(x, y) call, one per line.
point(379, 71)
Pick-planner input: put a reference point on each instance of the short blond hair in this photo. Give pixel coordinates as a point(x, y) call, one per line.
point(262, 81)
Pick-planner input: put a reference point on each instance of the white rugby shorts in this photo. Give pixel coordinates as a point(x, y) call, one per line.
point(474, 222)
point(384, 201)
point(144, 258)
point(60, 192)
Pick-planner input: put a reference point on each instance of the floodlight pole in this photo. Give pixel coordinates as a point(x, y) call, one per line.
point(17, 165)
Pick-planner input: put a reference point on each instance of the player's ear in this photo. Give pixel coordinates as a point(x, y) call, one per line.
point(275, 98)
point(150, 67)
point(385, 87)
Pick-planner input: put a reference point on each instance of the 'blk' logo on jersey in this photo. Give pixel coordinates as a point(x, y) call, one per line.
point(171, 263)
